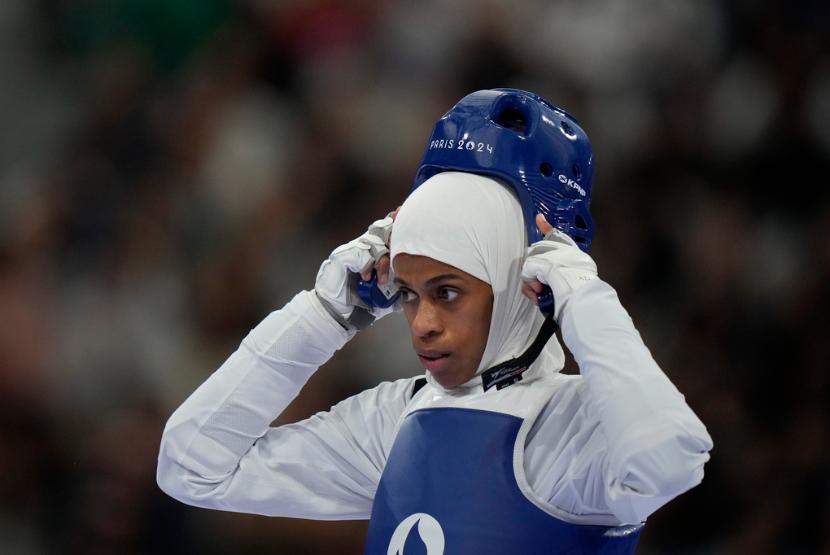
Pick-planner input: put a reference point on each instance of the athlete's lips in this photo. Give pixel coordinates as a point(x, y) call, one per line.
point(433, 360)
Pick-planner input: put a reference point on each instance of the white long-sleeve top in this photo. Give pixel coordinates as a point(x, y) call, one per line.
point(610, 447)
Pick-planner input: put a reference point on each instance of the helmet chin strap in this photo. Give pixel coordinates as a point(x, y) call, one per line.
point(509, 372)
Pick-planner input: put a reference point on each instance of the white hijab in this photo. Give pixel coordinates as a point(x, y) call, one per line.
point(475, 224)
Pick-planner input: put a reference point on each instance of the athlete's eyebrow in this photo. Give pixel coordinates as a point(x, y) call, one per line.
point(442, 277)
point(431, 281)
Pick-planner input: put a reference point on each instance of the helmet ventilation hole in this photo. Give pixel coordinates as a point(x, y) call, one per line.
point(546, 169)
point(511, 118)
point(577, 171)
point(580, 222)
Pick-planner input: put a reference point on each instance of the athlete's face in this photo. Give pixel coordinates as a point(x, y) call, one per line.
point(449, 316)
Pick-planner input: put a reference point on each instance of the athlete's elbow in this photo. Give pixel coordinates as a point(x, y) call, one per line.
point(667, 468)
point(186, 485)
point(171, 478)
point(649, 479)
point(171, 482)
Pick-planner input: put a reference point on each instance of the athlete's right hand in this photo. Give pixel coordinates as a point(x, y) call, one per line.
point(336, 285)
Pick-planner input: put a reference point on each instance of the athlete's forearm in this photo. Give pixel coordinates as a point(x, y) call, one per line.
point(213, 429)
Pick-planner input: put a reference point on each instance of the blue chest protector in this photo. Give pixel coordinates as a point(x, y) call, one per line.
point(448, 488)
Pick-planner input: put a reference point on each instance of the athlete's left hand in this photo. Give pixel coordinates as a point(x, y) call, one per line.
point(558, 262)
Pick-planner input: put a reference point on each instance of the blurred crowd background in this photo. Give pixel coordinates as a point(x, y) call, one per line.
point(171, 171)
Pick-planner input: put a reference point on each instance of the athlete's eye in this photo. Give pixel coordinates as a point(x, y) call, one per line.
point(447, 294)
point(407, 296)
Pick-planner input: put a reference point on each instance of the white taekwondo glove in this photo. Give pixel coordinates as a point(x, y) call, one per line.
point(337, 279)
point(558, 262)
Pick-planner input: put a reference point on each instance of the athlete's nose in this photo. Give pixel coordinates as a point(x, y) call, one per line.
point(427, 321)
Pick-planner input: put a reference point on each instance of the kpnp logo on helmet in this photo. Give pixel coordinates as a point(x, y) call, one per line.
point(428, 529)
point(565, 180)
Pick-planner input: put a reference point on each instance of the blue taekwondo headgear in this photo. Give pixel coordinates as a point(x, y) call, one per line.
point(520, 138)
point(524, 140)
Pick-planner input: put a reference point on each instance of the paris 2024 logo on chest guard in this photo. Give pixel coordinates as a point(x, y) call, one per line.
point(429, 530)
